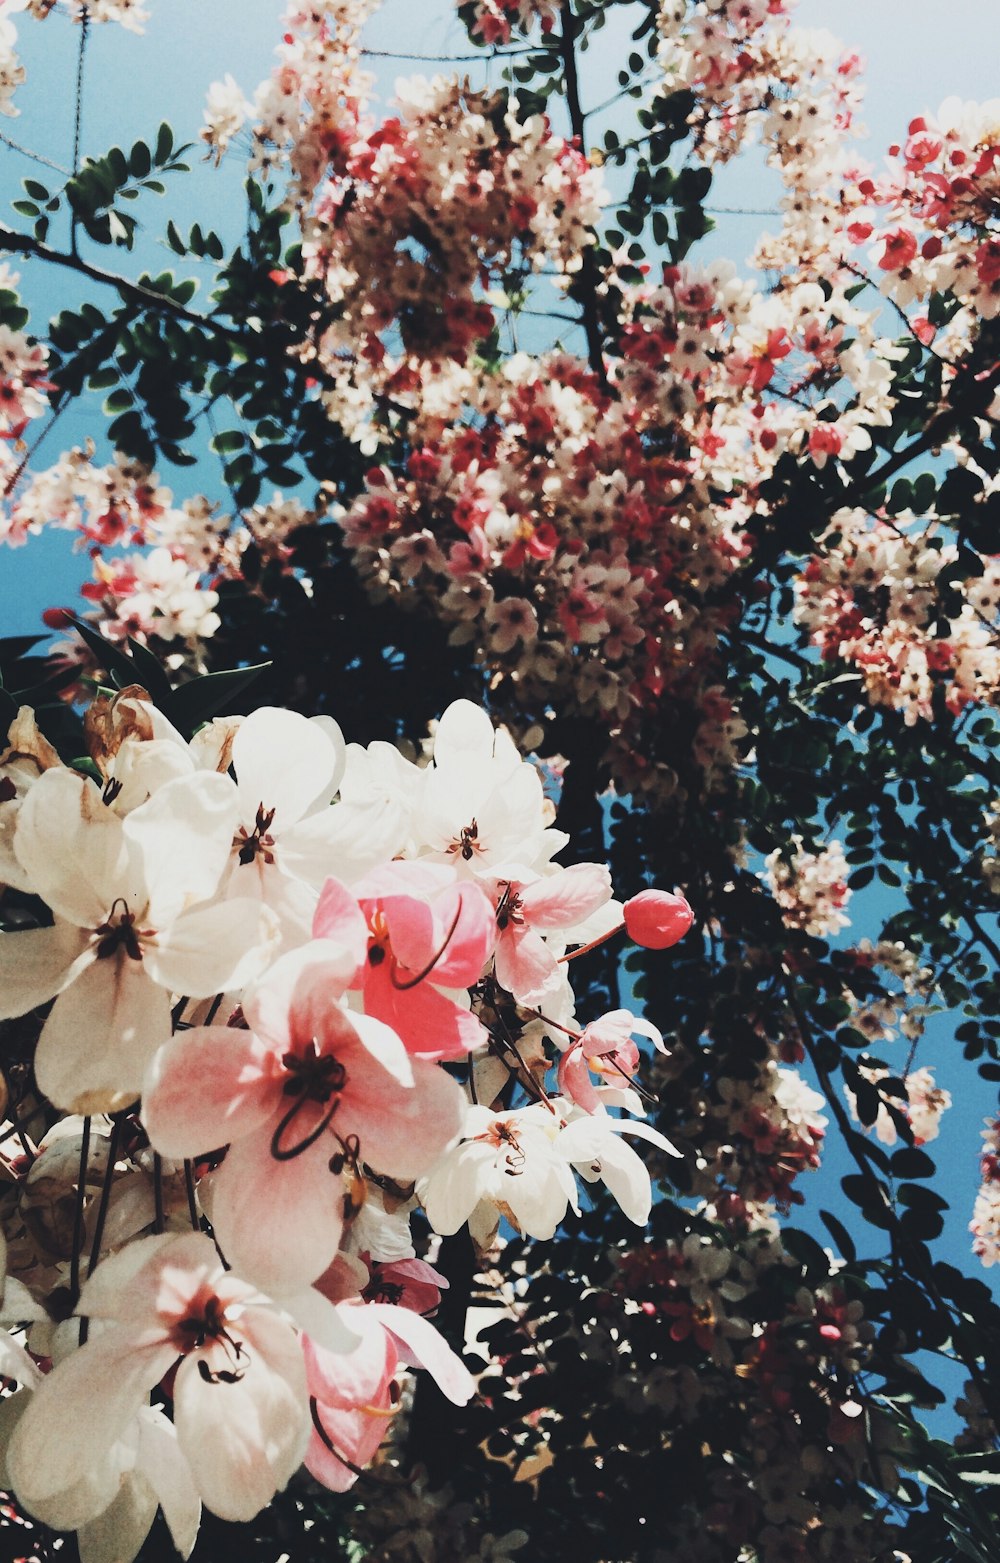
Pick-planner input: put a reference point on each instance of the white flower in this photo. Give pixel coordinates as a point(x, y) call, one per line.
point(131, 927)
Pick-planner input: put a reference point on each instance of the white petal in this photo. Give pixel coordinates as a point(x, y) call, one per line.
point(454, 1187)
point(464, 733)
point(165, 1469)
point(100, 1037)
point(117, 1534)
point(283, 762)
point(184, 837)
point(82, 1408)
point(627, 1178)
point(322, 1321)
point(38, 963)
point(244, 1441)
point(71, 846)
point(212, 949)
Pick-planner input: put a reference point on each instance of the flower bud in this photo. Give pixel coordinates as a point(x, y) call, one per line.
point(657, 919)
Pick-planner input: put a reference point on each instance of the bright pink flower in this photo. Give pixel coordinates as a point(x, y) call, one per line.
point(900, 248)
point(415, 929)
point(310, 1088)
point(656, 919)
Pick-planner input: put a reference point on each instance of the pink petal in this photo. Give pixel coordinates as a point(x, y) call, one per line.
point(430, 1025)
point(279, 1223)
point(422, 1345)
point(236, 1090)
point(568, 896)
point(524, 963)
point(340, 919)
point(404, 1133)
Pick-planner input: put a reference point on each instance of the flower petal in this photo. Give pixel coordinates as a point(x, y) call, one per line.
point(279, 1222)
point(423, 1345)
point(183, 837)
point(211, 949)
point(234, 1094)
point(245, 1440)
point(82, 1408)
point(100, 1037)
point(72, 847)
point(38, 963)
point(283, 762)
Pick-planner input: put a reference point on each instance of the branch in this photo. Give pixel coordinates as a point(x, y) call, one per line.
point(25, 244)
point(588, 277)
point(898, 1237)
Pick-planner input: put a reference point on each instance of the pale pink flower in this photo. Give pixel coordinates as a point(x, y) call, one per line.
point(239, 1392)
point(527, 908)
point(353, 1398)
point(309, 1088)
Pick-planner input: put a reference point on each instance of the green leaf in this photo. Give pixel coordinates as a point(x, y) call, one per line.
point(119, 667)
point(139, 160)
point(840, 1235)
point(164, 143)
point(35, 190)
point(203, 698)
point(152, 675)
point(26, 208)
point(174, 239)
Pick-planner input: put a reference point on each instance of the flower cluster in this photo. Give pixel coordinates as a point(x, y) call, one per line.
point(985, 1223)
point(871, 599)
point(242, 999)
point(810, 888)
point(495, 20)
point(711, 1297)
point(921, 1106)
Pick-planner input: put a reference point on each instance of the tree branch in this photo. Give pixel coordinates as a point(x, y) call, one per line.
point(25, 244)
point(588, 275)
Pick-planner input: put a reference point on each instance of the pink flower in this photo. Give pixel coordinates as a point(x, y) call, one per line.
point(656, 919)
point(413, 929)
point(605, 1047)
point(900, 248)
point(353, 1398)
point(525, 965)
point(309, 1089)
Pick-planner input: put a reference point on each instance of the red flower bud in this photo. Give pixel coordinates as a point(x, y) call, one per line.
point(656, 919)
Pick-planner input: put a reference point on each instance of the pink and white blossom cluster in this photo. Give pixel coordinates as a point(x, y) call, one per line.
point(264, 944)
point(810, 887)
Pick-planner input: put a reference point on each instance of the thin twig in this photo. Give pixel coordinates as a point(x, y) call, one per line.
point(78, 115)
point(36, 157)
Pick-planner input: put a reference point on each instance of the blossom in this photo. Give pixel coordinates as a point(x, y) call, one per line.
point(239, 1391)
point(529, 907)
point(604, 1047)
point(354, 1397)
point(413, 930)
point(133, 924)
point(309, 1090)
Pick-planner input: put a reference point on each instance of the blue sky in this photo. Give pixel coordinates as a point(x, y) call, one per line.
point(133, 83)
